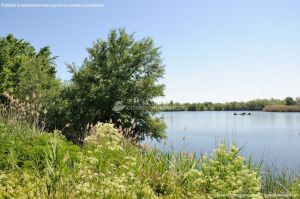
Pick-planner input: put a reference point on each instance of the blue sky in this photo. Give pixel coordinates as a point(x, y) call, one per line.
point(214, 50)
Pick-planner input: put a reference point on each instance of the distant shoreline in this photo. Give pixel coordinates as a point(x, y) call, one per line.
point(238, 111)
point(271, 108)
point(267, 105)
point(282, 108)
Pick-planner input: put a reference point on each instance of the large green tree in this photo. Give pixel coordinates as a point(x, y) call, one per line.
point(13, 54)
point(118, 82)
point(25, 72)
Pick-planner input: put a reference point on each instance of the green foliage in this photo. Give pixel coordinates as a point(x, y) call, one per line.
point(119, 71)
point(289, 101)
point(22, 147)
point(117, 83)
point(227, 175)
point(22, 70)
point(33, 164)
point(37, 75)
point(253, 105)
point(25, 74)
point(13, 54)
point(104, 133)
point(41, 165)
point(280, 182)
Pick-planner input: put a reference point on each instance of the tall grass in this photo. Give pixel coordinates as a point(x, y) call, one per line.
point(40, 165)
point(280, 183)
point(29, 111)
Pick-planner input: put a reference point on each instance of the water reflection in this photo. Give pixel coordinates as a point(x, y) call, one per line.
point(273, 137)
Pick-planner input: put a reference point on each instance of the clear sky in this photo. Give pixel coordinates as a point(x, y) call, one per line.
point(214, 50)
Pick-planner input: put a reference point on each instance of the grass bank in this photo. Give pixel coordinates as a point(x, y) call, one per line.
point(282, 108)
point(42, 165)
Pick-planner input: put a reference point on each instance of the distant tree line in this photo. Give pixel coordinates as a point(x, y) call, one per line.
point(253, 105)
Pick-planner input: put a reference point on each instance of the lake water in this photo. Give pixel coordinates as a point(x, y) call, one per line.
point(271, 137)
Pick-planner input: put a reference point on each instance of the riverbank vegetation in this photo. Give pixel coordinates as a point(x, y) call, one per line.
point(288, 104)
point(282, 108)
point(43, 165)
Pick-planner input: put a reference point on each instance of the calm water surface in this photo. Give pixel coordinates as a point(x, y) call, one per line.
point(272, 137)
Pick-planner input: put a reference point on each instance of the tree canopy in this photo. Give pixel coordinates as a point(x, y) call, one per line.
point(29, 74)
point(118, 82)
point(24, 71)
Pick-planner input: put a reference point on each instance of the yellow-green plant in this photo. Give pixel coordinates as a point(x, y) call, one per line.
point(41, 165)
point(226, 175)
point(104, 132)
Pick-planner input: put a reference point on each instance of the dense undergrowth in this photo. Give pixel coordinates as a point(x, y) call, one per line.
point(42, 165)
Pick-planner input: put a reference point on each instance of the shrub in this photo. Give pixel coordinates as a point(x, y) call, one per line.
point(226, 175)
point(119, 82)
point(104, 132)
